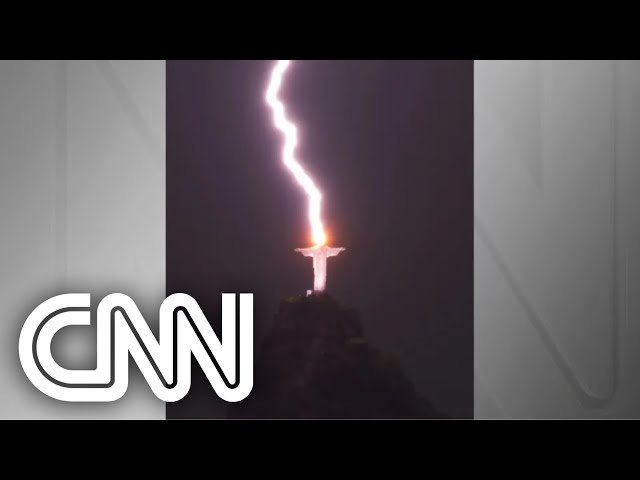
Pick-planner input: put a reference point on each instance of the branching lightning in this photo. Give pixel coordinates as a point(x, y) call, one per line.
point(289, 131)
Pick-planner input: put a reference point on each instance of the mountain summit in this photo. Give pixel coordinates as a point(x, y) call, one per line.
point(315, 362)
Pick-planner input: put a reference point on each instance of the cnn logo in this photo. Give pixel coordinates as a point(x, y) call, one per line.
point(122, 331)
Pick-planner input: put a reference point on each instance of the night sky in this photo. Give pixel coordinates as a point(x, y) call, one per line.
point(390, 144)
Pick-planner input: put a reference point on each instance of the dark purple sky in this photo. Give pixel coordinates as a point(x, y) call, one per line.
point(390, 144)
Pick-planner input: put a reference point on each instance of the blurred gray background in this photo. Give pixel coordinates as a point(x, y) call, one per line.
point(82, 181)
point(557, 152)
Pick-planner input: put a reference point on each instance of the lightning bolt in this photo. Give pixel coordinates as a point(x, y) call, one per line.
point(290, 134)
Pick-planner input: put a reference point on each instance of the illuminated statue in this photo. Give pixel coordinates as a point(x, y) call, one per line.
point(320, 255)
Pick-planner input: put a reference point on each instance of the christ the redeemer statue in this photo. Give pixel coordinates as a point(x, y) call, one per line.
point(320, 255)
